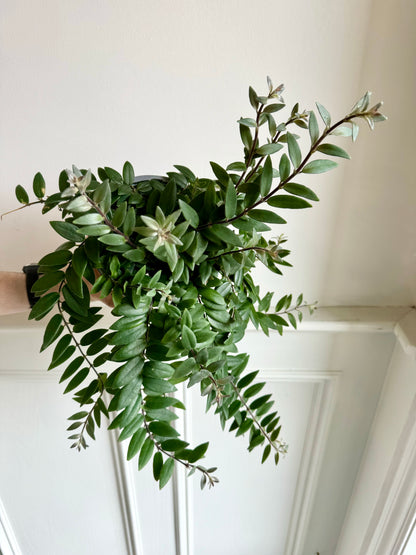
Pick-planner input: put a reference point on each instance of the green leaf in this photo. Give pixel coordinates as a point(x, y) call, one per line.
point(313, 127)
point(269, 148)
point(188, 338)
point(220, 174)
point(156, 386)
point(67, 230)
point(77, 380)
point(166, 472)
point(21, 194)
point(173, 445)
point(162, 429)
point(52, 331)
point(253, 390)
point(199, 452)
point(112, 239)
point(248, 122)
point(57, 258)
point(246, 137)
point(300, 191)
point(39, 185)
point(266, 178)
point(226, 235)
point(236, 167)
point(189, 213)
point(73, 367)
point(326, 118)
point(319, 166)
point(43, 306)
point(79, 261)
point(47, 281)
point(266, 216)
point(287, 201)
point(230, 201)
point(247, 379)
point(167, 199)
point(156, 369)
point(119, 214)
point(78, 204)
point(254, 101)
point(130, 221)
point(333, 150)
point(135, 255)
point(128, 173)
point(266, 453)
point(136, 443)
point(271, 108)
point(294, 150)
point(284, 167)
point(186, 172)
point(146, 453)
point(157, 465)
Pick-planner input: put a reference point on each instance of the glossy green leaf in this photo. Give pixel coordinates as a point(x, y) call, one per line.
point(173, 445)
point(156, 386)
point(188, 338)
point(266, 453)
point(146, 453)
point(77, 380)
point(162, 429)
point(166, 472)
point(21, 194)
point(39, 185)
point(266, 216)
point(47, 281)
point(67, 230)
point(52, 331)
point(157, 465)
point(136, 443)
point(72, 368)
point(43, 306)
point(112, 239)
point(57, 258)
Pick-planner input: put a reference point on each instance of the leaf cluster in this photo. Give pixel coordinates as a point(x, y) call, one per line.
point(176, 254)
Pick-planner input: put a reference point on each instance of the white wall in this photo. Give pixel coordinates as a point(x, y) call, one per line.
point(98, 82)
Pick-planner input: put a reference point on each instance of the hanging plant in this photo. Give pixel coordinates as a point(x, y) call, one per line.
point(175, 254)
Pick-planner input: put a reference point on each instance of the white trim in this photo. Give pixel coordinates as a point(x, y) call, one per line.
point(8, 541)
point(391, 513)
point(323, 404)
point(325, 318)
point(127, 496)
point(182, 494)
point(405, 331)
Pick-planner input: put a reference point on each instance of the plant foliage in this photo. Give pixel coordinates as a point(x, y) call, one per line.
point(176, 255)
